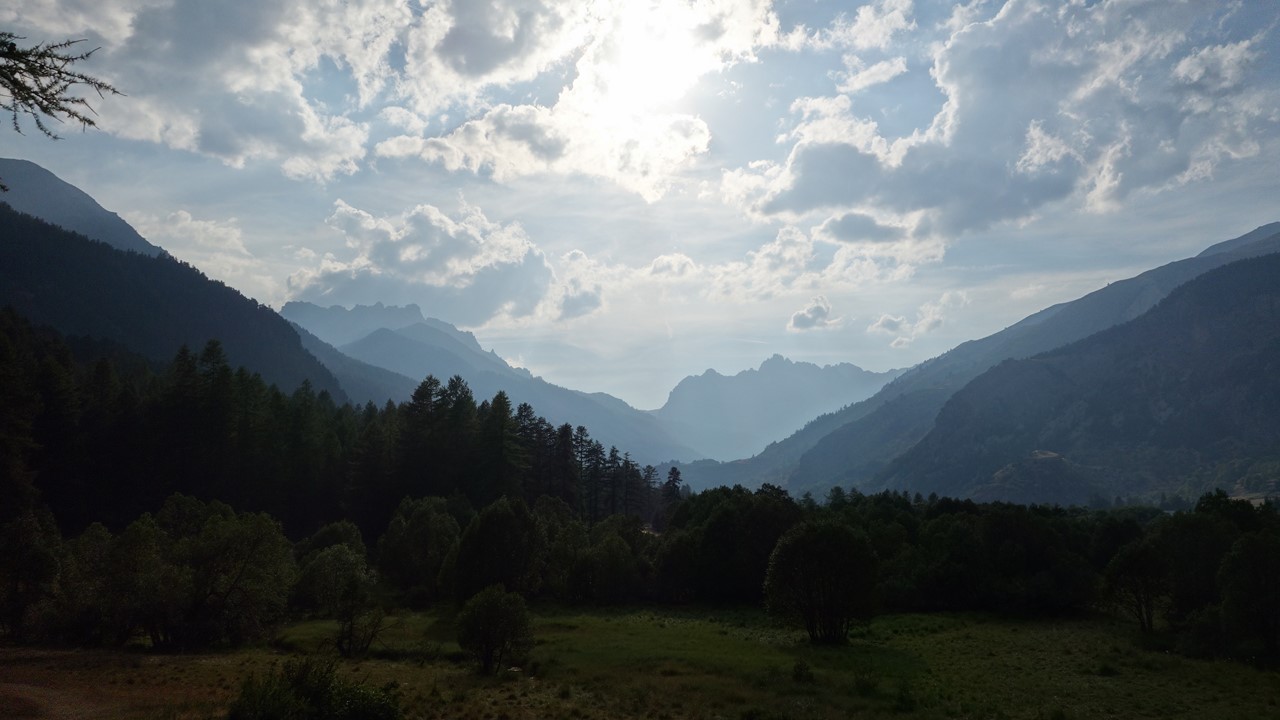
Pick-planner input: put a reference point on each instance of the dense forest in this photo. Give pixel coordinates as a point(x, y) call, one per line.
point(194, 505)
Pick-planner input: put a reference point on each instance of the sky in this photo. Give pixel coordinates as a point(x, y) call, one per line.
point(617, 194)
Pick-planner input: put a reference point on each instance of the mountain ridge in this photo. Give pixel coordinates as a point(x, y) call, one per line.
point(35, 191)
point(151, 304)
point(765, 404)
point(820, 455)
point(1185, 394)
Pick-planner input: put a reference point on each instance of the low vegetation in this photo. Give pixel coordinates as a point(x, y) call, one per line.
point(673, 663)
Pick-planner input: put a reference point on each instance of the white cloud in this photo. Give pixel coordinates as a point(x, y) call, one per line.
point(610, 121)
point(216, 247)
point(510, 142)
point(929, 317)
point(1043, 105)
point(873, 26)
point(860, 77)
point(464, 268)
point(814, 316)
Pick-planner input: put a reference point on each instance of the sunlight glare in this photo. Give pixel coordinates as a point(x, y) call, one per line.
point(650, 59)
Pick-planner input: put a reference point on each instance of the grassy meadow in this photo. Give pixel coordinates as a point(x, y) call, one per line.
point(663, 664)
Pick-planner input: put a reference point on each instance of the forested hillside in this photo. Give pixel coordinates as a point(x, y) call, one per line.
point(105, 442)
point(1184, 398)
point(152, 305)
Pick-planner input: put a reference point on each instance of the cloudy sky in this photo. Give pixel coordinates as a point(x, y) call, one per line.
point(621, 193)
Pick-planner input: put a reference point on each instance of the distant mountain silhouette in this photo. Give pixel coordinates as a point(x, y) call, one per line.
point(1184, 398)
point(434, 347)
point(39, 193)
point(338, 325)
point(738, 415)
point(849, 447)
point(150, 304)
point(362, 382)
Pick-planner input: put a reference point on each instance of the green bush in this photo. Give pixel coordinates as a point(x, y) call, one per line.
point(493, 627)
point(311, 690)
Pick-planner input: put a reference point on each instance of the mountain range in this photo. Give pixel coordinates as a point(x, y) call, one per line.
point(1180, 399)
point(1152, 384)
point(764, 404)
point(851, 446)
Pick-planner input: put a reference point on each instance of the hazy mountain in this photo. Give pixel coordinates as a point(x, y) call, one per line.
point(338, 325)
point(362, 382)
point(150, 304)
point(850, 446)
point(434, 347)
point(39, 193)
point(1185, 397)
point(845, 458)
point(736, 416)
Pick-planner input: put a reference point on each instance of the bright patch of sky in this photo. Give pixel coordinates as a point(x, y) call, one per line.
point(617, 194)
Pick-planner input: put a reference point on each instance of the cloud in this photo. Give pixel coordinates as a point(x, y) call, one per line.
point(1041, 105)
point(510, 142)
point(578, 299)
point(814, 316)
point(929, 317)
point(231, 80)
point(463, 268)
point(856, 227)
point(873, 26)
point(859, 77)
point(216, 247)
point(612, 120)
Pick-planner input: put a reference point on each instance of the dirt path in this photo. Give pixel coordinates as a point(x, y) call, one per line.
point(34, 701)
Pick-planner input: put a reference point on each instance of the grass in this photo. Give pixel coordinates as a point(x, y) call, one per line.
point(662, 664)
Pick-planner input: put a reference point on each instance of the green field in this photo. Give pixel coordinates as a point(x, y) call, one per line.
point(663, 663)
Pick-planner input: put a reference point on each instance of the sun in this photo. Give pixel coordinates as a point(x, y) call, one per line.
point(647, 58)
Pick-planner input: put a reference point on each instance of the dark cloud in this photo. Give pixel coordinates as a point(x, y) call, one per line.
point(856, 227)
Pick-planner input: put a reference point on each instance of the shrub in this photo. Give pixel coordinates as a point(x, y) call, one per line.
point(311, 690)
point(493, 627)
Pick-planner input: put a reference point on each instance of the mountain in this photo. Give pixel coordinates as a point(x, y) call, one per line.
point(338, 325)
point(850, 446)
point(434, 347)
point(1185, 397)
point(39, 193)
point(844, 457)
point(151, 304)
point(362, 382)
point(738, 415)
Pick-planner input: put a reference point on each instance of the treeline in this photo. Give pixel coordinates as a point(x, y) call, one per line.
point(103, 437)
point(382, 503)
point(198, 574)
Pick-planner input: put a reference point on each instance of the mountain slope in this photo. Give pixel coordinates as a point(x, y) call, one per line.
point(828, 451)
point(150, 304)
point(737, 416)
point(1186, 394)
point(840, 458)
point(41, 194)
point(434, 347)
point(362, 382)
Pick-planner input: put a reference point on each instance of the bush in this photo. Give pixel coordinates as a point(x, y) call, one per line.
point(823, 573)
point(311, 690)
point(493, 627)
